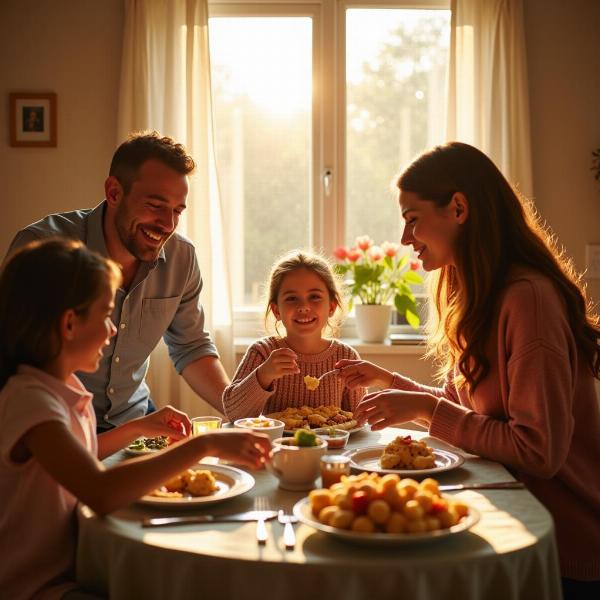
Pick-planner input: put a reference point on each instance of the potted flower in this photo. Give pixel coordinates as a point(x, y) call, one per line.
point(376, 276)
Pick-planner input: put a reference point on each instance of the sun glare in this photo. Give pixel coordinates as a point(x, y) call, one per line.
point(266, 58)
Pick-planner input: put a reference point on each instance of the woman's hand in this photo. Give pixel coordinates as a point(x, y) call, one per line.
point(281, 362)
point(239, 446)
point(166, 421)
point(361, 373)
point(392, 407)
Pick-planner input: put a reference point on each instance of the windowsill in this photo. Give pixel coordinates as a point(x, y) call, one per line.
point(364, 349)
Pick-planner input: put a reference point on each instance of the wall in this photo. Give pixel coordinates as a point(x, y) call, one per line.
point(72, 48)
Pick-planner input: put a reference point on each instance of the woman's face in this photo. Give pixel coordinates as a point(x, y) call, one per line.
point(431, 230)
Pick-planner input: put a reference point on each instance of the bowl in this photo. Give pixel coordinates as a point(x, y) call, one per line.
point(271, 427)
point(335, 438)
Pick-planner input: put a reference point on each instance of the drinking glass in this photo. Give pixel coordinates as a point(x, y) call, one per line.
point(201, 425)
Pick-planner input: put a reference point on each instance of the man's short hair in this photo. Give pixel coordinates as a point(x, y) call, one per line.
point(141, 146)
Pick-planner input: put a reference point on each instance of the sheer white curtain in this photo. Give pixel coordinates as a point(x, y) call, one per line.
point(165, 85)
point(488, 103)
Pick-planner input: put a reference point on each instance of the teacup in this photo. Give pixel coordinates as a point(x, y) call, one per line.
point(296, 467)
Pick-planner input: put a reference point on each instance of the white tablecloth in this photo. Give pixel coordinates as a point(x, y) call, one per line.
point(510, 554)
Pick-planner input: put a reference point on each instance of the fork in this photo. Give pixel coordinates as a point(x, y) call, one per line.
point(289, 537)
point(261, 503)
point(321, 377)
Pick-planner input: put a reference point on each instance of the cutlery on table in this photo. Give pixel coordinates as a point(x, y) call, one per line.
point(499, 485)
point(251, 515)
point(261, 504)
point(289, 537)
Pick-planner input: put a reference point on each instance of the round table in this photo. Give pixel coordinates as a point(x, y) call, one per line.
point(510, 554)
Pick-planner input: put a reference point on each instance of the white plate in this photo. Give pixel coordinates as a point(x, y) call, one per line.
point(350, 431)
point(303, 512)
point(142, 452)
point(231, 482)
point(367, 459)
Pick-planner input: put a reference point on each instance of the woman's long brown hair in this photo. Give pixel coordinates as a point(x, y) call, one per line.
point(502, 230)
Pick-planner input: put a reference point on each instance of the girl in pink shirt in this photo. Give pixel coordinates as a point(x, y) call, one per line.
point(517, 344)
point(56, 298)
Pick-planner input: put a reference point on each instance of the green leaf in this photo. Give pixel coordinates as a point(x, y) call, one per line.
point(412, 277)
point(404, 304)
point(413, 319)
point(388, 261)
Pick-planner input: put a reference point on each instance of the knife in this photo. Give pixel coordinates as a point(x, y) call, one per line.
point(500, 485)
point(251, 515)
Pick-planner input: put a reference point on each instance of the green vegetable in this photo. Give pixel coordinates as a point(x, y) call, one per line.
point(304, 437)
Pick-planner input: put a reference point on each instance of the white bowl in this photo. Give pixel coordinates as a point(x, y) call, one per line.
point(274, 430)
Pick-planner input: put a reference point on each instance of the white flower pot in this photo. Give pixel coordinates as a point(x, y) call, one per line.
point(373, 321)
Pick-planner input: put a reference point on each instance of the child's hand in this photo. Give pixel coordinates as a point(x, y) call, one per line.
point(167, 421)
point(360, 373)
point(239, 446)
point(281, 362)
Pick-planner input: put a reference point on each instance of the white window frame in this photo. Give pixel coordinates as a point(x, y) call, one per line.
point(327, 211)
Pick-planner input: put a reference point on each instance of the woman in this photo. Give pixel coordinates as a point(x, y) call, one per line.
point(517, 345)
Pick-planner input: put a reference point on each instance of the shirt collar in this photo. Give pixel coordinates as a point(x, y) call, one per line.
point(73, 392)
point(95, 234)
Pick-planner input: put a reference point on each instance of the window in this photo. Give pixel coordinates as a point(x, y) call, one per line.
point(317, 107)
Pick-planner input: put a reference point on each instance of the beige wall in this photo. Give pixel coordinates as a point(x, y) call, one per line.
point(72, 48)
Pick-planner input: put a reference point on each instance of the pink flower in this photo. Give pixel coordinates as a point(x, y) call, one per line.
point(375, 253)
point(353, 254)
point(390, 249)
point(415, 264)
point(364, 242)
point(340, 253)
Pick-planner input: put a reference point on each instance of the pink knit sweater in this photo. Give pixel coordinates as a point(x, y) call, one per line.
point(245, 397)
point(537, 413)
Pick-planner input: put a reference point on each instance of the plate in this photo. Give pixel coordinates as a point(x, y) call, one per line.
point(231, 482)
point(143, 452)
point(350, 431)
point(304, 514)
point(367, 459)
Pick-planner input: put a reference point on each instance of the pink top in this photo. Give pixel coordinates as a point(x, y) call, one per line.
point(537, 413)
point(245, 397)
point(37, 520)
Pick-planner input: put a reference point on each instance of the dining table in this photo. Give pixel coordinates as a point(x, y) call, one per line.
point(509, 554)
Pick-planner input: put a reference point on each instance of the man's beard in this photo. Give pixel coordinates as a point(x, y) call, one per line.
point(130, 240)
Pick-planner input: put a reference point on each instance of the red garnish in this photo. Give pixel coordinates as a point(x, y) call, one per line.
point(406, 440)
point(360, 502)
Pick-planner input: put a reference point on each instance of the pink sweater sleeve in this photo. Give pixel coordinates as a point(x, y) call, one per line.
point(244, 396)
point(524, 418)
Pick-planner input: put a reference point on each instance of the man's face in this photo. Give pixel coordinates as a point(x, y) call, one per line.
point(148, 215)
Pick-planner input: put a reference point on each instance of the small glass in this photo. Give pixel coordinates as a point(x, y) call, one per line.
point(333, 466)
point(201, 425)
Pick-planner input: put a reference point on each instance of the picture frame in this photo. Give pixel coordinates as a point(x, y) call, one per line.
point(32, 119)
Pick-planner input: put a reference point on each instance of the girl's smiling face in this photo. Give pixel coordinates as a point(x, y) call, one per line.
point(91, 332)
point(303, 303)
point(432, 230)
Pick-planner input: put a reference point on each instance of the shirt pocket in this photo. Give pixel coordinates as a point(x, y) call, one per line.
point(157, 314)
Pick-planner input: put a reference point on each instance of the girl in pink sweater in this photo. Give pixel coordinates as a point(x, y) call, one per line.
point(56, 298)
point(516, 342)
point(303, 297)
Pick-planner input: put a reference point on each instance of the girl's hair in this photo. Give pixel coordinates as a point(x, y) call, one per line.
point(503, 229)
point(38, 284)
point(300, 259)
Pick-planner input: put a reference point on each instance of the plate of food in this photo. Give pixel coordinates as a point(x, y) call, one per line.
point(145, 445)
point(199, 486)
point(316, 417)
point(404, 456)
point(380, 510)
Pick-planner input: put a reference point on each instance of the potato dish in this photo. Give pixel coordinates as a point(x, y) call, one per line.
point(370, 503)
point(406, 453)
point(312, 417)
point(311, 383)
point(189, 483)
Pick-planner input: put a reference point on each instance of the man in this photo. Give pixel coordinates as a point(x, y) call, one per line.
point(146, 193)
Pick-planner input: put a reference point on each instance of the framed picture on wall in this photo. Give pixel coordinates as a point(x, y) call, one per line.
point(32, 119)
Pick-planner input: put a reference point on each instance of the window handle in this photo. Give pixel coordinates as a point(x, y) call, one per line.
point(327, 181)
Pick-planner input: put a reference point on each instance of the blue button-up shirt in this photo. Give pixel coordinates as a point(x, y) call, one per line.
point(163, 301)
